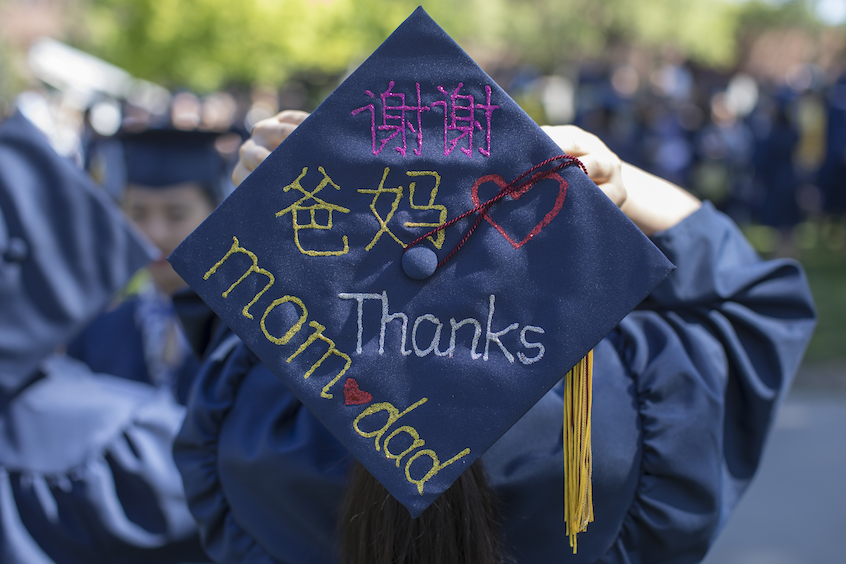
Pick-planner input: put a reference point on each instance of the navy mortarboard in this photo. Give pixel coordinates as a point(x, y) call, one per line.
point(64, 250)
point(418, 357)
point(166, 157)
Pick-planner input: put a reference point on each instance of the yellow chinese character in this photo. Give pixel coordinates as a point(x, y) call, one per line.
point(318, 204)
point(438, 241)
point(383, 223)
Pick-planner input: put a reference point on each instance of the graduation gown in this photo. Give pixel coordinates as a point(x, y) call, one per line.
point(114, 344)
point(86, 471)
point(685, 390)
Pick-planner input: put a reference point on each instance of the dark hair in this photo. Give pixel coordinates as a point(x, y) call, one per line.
point(460, 527)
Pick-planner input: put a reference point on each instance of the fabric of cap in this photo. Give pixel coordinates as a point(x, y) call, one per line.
point(65, 250)
point(418, 378)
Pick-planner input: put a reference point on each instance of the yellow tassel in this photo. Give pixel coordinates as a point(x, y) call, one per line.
point(578, 464)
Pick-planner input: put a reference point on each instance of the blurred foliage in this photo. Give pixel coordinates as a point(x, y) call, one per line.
point(204, 44)
point(825, 276)
point(822, 248)
point(548, 33)
point(757, 15)
point(207, 44)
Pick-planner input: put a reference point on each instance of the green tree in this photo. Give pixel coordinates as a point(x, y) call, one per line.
point(206, 44)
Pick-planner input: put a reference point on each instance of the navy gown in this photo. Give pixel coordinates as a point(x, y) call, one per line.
point(86, 470)
point(685, 390)
point(114, 343)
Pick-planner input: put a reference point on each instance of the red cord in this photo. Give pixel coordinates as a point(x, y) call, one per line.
point(482, 209)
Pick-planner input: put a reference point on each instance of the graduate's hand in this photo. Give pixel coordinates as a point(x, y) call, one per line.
point(652, 203)
point(603, 166)
point(266, 136)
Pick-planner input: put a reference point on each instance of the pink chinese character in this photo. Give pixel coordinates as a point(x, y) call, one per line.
point(489, 109)
point(459, 115)
point(418, 109)
point(372, 109)
point(394, 119)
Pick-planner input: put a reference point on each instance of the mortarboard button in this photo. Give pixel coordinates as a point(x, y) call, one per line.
point(419, 262)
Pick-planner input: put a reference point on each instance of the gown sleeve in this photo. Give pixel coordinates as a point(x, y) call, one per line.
point(685, 391)
point(86, 472)
point(710, 356)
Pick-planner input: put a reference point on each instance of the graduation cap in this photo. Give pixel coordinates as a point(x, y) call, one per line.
point(64, 250)
point(163, 157)
point(419, 268)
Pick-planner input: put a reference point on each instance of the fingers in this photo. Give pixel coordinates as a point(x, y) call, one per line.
point(270, 132)
point(574, 140)
point(251, 154)
point(604, 168)
point(265, 137)
point(602, 165)
point(239, 173)
point(615, 192)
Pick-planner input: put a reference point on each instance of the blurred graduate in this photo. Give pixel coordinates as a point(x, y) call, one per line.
point(86, 470)
point(171, 180)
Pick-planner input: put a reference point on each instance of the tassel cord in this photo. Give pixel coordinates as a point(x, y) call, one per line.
point(517, 185)
point(578, 462)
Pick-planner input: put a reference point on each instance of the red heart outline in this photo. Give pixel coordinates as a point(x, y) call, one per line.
point(353, 395)
point(500, 181)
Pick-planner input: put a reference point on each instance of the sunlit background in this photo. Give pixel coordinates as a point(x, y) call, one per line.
point(741, 102)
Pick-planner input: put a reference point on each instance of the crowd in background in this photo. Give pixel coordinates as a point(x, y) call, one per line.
point(769, 155)
point(772, 154)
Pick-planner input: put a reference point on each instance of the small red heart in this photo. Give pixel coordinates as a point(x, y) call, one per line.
point(353, 395)
point(550, 215)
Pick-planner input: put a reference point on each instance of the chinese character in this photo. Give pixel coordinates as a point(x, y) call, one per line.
point(383, 223)
point(489, 109)
point(319, 204)
point(438, 241)
point(394, 119)
point(459, 115)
